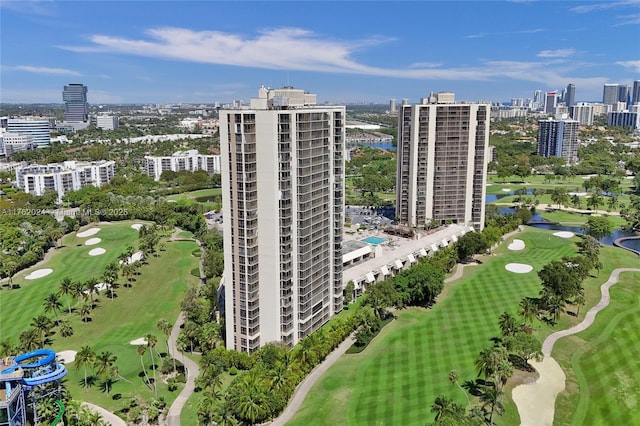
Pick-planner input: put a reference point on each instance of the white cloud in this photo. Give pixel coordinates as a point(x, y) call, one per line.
point(44, 70)
point(530, 31)
point(585, 8)
point(634, 65)
point(295, 49)
point(632, 19)
point(558, 53)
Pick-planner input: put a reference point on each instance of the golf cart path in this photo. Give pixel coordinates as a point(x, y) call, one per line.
point(108, 417)
point(192, 371)
point(536, 401)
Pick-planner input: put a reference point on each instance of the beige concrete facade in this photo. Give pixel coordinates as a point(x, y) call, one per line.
point(283, 205)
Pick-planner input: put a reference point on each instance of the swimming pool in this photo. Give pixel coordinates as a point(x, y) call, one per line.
point(374, 240)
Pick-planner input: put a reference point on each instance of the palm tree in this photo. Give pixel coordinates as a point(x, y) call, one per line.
point(84, 358)
point(249, 402)
point(29, 340)
point(110, 276)
point(442, 406)
point(507, 324)
point(151, 343)
point(10, 266)
point(223, 413)
point(43, 325)
point(556, 307)
point(90, 287)
point(104, 364)
point(52, 303)
point(141, 349)
point(528, 310)
point(85, 312)
point(165, 328)
point(65, 328)
point(453, 378)
point(66, 289)
point(78, 290)
point(492, 396)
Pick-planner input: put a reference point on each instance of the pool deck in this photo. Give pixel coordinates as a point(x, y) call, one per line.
point(401, 249)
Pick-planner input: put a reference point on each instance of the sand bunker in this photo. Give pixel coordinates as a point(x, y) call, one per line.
point(38, 274)
point(564, 234)
point(137, 226)
point(89, 232)
point(516, 245)
point(506, 189)
point(66, 357)
point(536, 401)
point(134, 258)
point(138, 342)
point(518, 268)
point(97, 251)
point(92, 241)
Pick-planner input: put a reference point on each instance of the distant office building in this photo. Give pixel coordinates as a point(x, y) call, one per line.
point(37, 129)
point(558, 138)
point(62, 178)
point(182, 160)
point(624, 93)
point(570, 96)
point(550, 102)
point(11, 143)
point(624, 119)
point(583, 112)
point(600, 109)
point(76, 107)
point(610, 94)
point(107, 122)
point(442, 162)
point(635, 95)
point(283, 207)
point(393, 108)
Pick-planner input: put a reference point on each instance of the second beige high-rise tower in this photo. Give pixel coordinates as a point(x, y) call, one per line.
point(283, 187)
point(442, 162)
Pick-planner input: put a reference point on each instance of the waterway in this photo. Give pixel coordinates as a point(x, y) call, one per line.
point(387, 146)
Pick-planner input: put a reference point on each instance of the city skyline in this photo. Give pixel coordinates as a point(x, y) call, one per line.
point(202, 52)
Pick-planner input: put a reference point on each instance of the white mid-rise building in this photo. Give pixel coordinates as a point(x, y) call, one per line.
point(107, 122)
point(181, 160)
point(442, 162)
point(11, 143)
point(624, 119)
point(68, 176)
point(283, 207)
point(583, 112)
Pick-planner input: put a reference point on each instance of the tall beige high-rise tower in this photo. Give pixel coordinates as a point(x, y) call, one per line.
point(442, 161)
point(283, 207)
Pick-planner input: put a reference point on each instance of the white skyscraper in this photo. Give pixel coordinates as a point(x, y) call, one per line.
point(442, 162)
point(283, 204)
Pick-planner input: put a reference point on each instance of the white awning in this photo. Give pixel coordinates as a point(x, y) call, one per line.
point(370, 277)
point(398, 263)
point(384, 270)
point(434, 248)
point(411, 258)
point(423, 252)
point(454, 238)
point(445, 243)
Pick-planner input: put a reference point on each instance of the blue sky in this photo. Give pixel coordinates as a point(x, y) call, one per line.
point(361, 51)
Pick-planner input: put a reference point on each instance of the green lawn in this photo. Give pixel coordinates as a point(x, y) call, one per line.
point(395, 380)
point(156, 294)
point(19, 306)
point(602, 363)
point(206, 197)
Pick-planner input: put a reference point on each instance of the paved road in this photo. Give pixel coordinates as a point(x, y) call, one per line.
point(108, 417)
point(550, 341)
point(192, 371)
point(305, 386)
